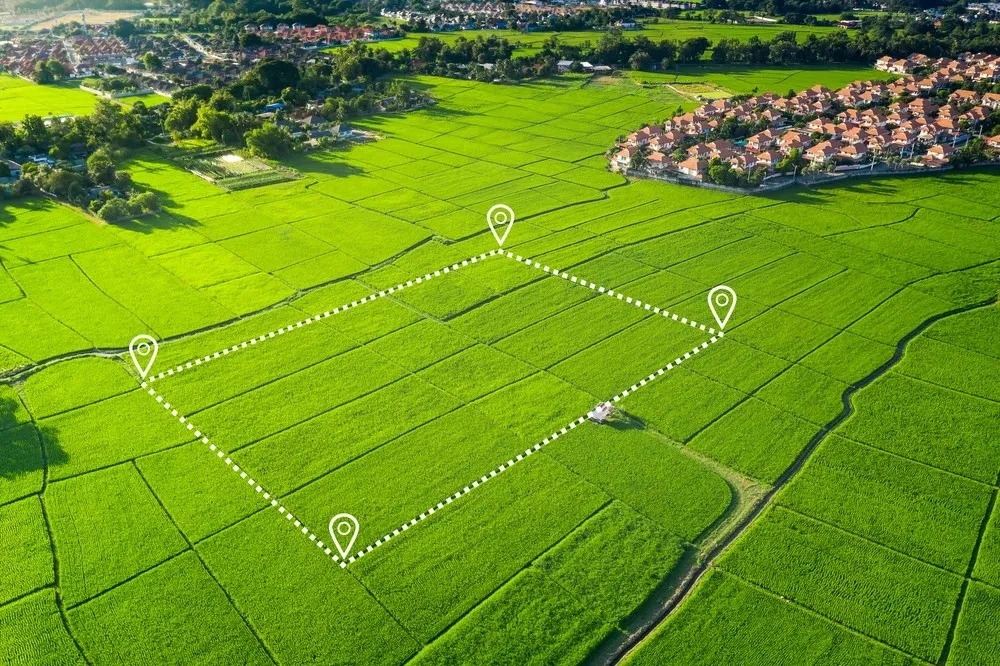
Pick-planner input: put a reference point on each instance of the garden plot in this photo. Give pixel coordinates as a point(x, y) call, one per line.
point(392, 415)
point(232, 171)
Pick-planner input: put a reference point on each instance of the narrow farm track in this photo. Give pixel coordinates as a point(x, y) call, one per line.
point(615, 654)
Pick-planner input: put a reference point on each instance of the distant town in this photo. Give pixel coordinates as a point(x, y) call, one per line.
point(921, 120)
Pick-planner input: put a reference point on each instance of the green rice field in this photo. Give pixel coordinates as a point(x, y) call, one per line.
point(529, 43)
point(19, 97)
point(328, 345)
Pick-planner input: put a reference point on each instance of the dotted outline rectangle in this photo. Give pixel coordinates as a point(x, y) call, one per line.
point(256, 486)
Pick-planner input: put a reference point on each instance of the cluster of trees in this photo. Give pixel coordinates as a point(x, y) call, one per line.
point(723, 173)
point(782, 7)
point(111, 84)
point(49, 71)
point(349, 88)
point(103, 138)
point(883, 37)
point(614, 48)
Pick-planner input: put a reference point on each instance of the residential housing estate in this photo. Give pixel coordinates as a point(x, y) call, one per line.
point(909, 121)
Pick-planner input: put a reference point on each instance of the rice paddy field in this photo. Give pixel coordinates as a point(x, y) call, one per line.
point(530, 43)
point(817, 485)
point(711, 80)
point(19, 97)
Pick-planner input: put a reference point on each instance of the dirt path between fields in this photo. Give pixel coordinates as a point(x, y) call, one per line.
point(614, 654)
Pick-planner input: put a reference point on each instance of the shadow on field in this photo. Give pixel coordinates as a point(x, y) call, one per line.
point(625, 421)
point(162, 221)
point(326, 162)
point(21, 452)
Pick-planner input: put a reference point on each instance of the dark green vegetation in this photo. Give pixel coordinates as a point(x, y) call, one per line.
point(131, 542)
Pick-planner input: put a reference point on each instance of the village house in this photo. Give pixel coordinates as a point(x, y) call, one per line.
point(693, 167)
point(769, 158)
point(659, 161)
point(938, 155)
point(623, 158)
point(824, 152)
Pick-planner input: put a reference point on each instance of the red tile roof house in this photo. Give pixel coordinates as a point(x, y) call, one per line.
point(903, 138)
point(680, 122)
point(948, 111)
point(901, 66)
point(873, 118)
point(991, 101)
point(854, 136)
point(975, 115)
point(880, 143)
point(762, 140)
point(850, 116)
point(824, 152)
point(659, 161)
point(964, 97)
point(623, 158)
point(744, 162)
point(699, 150)
point(883, 63)
point(923, 106)
point(938, 155)
point(774, 118)
point(642, 137)
point(793, 139)
point(854, 153)
point(993, 141)
point(722, 149)
point(693, 167)
point(769, 158)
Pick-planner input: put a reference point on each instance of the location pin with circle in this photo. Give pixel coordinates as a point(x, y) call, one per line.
point(722, 302)
point(143, 350)
point(501, 219)
point(344, 530)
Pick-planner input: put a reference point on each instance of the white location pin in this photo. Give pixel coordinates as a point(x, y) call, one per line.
point(344, 530)
point(722, 302)
point(500, 218)
point(143, 350)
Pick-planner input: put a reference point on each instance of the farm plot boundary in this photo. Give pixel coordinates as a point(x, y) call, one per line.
point(255, 484)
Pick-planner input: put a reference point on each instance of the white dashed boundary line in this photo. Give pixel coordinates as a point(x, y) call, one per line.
point(251, 482)
point(527, 452)
point(611, 292)
point(305, 531)
point(329, 313)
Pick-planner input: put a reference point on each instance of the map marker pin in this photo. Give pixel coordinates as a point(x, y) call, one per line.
point(344, 530)
point(143, 350)
point(500, 217)
point(722, 302)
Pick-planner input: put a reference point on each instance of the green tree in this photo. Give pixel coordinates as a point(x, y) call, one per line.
point(182, 116)
point(57, 69)
point(639, 60)
point(275, 75)
point(270, 141)
point(215, 125)
point(41, 73)
point(152, 61)
point(100, 167)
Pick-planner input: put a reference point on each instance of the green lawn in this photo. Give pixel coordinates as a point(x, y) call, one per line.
point(396, 407)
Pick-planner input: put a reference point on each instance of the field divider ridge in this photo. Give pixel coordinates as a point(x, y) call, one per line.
point(673, 316)
point(527, 452)
point(329, 313)
point(252, 483)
